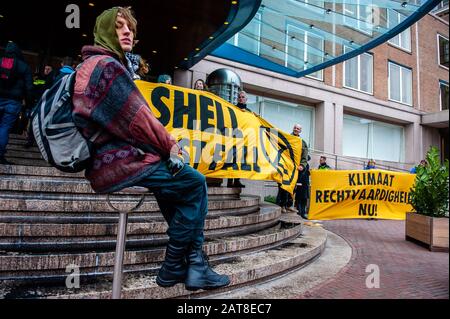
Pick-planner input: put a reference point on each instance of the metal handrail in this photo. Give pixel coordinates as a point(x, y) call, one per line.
point(121, 236)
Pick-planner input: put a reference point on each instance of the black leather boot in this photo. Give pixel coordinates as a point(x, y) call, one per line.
point(200, 275)
point(174, 268)
point(237, 183)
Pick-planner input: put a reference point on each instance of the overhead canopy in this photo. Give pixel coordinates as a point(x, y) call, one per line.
point(292, 37)
point(301, 37)
point(168, 30)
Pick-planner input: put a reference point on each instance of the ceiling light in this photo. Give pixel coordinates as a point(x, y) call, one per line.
point(1, 16)
point(197, 49)
point(175, 27)
point(154, 51)
point(226, 22)
point(91, 4)
point(84, 35)
point(211, 38)
point(185, 59)
point(233, 2)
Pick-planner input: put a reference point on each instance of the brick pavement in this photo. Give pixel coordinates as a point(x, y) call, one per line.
point(406, 269)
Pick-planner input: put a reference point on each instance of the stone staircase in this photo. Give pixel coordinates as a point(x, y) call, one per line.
point(50, 220)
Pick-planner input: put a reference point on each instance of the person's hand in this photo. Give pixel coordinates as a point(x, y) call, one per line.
point(301, 168)
point(176, 152)
point(175, 162)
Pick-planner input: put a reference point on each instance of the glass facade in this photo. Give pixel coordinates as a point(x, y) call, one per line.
point(301, 37)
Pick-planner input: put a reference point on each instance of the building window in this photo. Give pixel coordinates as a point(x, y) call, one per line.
point(440, 6)
point(400, 84)
point(443, 51)
point(359, 16)
point(402, 40)
point(284, 115)
point(303, 50)
point(249, 38)
point(358, 72)
point(372, 139)
point(443, 88)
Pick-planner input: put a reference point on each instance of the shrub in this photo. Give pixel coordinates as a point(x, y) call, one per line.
point(429, 195)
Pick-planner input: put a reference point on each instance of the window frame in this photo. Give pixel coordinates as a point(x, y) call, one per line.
point(263, 105)
point(441, 82)
point(359, 72)
point(369, 149)
point(401, 82)
point(400, 35)
point(439, 51)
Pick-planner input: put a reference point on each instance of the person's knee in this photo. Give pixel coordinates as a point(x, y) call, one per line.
point(195, 177)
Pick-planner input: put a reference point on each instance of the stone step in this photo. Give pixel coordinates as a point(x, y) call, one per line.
point(105, 242)
point(34, 265)
point(13, 146)
point(27, 161)
point(36, 171)
point(22, 231)
point(243, 270)
point(64, 185)
point(68, 184)
point(104, 218)
point(25, 154)
point(20, 137)
point(83, 218)
point(52, 202)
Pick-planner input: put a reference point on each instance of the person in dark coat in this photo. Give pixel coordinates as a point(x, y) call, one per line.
point(242, 104)
point(16, 85)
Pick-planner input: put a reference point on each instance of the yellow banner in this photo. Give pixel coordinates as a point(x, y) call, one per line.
point(360, 194)
point(221, 140)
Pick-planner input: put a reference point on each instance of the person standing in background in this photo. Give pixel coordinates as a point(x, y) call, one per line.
point(16, 85)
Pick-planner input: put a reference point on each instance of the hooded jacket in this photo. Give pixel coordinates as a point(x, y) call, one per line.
point(20, 83)
point(132, 141)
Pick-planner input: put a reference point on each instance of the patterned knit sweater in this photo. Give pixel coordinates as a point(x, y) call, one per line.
point(132, 141)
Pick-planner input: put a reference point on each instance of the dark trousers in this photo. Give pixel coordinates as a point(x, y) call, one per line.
point(284, 199)
point(9, 111)
point(183, 201)
point(302, 192)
